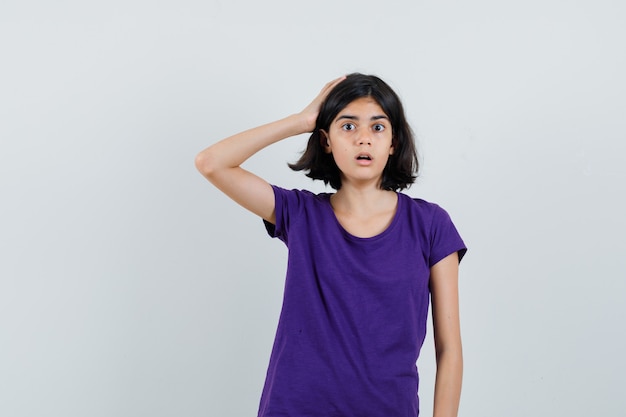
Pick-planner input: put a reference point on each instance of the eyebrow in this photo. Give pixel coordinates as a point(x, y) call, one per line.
point(350, 117)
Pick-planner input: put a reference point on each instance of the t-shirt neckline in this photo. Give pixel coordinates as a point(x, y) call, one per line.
point(379, 236)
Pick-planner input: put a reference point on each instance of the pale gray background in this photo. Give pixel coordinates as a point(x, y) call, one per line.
point(130, 287)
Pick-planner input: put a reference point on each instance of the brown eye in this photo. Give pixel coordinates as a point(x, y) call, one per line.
point(379, 127)
point(348, 126)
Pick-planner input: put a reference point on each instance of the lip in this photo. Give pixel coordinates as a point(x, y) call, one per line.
point(363, 158)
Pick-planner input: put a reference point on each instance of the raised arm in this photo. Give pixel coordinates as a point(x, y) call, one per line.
point(221, 163)
point(447, 333)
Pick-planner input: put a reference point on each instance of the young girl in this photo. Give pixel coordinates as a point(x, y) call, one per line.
point(363, 261)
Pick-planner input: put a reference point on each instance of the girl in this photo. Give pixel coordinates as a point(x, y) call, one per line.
point(362, 263)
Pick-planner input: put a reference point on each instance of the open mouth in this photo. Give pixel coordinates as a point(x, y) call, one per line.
point(364, 158)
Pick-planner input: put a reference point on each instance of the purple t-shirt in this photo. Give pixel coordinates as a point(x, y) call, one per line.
point(354, 311)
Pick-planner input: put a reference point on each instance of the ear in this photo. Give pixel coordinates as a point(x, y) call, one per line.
point(324, 141)
point(392, 148)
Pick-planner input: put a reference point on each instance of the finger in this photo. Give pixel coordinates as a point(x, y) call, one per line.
point(330, 85)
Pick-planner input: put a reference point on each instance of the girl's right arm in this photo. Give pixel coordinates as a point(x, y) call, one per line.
point(221, 163)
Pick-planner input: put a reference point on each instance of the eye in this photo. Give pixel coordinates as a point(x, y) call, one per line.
point(348, 126)
point(378, 127)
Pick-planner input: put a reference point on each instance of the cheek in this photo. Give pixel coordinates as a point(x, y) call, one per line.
point(342, 151)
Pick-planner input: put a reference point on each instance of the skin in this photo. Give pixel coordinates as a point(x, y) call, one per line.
point(361, 207)
point(361, 129)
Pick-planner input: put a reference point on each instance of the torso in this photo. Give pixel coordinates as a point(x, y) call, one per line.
point(355, 308)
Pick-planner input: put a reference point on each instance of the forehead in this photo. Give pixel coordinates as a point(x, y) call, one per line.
point(362, 106)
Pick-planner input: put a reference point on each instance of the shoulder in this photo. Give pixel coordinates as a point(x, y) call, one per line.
point(443, 236)
point(298, 196)
point(429, 216)
point(292, 204)
point(293, 208)
point(425, 209)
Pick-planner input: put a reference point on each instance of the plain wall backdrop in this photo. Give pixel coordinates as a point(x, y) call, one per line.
point(129, 286)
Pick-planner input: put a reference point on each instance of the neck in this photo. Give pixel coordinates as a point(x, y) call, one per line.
point(362, 200)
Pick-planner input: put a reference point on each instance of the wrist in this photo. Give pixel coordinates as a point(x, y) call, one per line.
point(301, 123)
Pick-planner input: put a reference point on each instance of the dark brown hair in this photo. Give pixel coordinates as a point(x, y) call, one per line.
point(402, 167)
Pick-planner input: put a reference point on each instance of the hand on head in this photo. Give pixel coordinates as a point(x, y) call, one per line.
point(310, 112)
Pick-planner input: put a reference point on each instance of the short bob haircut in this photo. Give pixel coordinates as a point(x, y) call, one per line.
point(402, 167)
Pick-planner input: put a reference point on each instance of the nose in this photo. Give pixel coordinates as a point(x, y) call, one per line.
point(363, 138)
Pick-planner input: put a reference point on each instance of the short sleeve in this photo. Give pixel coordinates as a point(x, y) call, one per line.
point(444, 238)
point(287, 203)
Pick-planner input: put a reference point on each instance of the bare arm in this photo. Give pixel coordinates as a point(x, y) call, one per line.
point(447, 332)
point(221, 163)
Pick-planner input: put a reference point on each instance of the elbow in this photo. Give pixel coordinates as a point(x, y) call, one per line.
point(450, 354)
point(206, 163)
